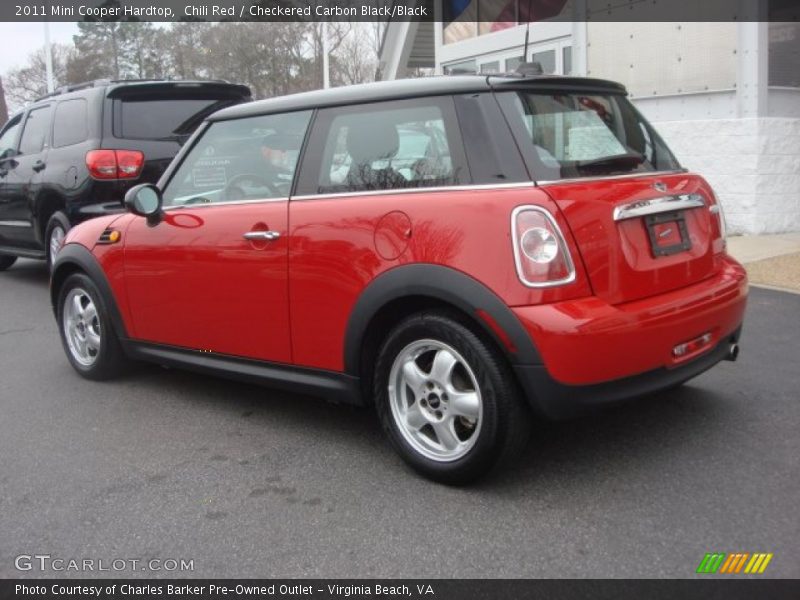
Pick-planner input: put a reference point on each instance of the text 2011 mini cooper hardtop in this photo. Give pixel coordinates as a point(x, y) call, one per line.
point(454, 250)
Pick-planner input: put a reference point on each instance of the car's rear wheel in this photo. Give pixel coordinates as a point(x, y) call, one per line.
point(447, 399)
point(87, 334)
point(57, 230)
point(6, 261)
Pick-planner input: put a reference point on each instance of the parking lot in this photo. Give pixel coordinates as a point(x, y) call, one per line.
point(249, 482)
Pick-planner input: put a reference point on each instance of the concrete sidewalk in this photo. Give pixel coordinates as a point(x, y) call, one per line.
point(771, 260)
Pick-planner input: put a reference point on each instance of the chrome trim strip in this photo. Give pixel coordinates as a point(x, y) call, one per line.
point(610, 177)
point(654, 206)
point(226, 203)
point(714, 209)
point(418, 190)
point(562, 243)
point(23, 224)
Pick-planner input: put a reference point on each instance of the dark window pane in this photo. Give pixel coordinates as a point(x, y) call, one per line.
point(161, 119)
point(34, 135)
point(8, 141)
point(567, 59)
point(71, 123)
point(547, 59)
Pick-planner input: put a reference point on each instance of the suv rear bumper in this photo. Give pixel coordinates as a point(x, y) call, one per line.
point(595, 353)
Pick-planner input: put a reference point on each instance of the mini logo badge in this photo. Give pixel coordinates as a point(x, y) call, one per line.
point(660, 186)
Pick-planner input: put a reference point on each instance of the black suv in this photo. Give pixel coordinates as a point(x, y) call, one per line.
point(73, 154)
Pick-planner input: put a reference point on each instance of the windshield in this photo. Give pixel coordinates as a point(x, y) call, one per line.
point(568, 135)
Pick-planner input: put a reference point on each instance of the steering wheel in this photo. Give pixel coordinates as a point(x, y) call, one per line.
point(233, 185)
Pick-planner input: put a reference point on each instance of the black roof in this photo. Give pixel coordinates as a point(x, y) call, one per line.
point(412, 88)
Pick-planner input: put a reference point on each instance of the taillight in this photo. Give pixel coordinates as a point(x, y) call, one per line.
point(540, 252)
point(114, 164)
point(718, 216)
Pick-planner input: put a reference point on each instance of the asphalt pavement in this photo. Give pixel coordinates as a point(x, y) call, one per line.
point(248, 482)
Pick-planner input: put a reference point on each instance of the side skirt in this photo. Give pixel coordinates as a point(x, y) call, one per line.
point(332, 386)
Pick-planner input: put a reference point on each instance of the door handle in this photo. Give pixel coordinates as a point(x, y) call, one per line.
point(38, 166)
point(261, 235)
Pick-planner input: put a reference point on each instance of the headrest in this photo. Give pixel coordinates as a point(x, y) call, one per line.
point(371, 140)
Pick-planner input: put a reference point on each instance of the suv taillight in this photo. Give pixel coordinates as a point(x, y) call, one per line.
point(114, 164)
point(540, 252)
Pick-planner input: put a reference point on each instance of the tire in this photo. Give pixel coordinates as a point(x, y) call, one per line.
point(430, 364)
point(56, 230)
point(6, 261)
point(88, 337)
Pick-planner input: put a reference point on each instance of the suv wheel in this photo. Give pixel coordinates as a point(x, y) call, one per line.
point(57, 230)
point(6, 261)
point(87, 334)
point(447, 399)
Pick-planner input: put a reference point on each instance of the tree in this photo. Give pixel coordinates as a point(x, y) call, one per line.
point(3, 106)
point(29, 82)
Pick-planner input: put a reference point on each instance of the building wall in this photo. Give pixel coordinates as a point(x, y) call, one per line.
point(753, 165)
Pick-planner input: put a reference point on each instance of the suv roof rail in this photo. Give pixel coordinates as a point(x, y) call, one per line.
point(65, 89)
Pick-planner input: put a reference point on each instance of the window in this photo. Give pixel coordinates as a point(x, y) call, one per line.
point(467, 66)
point(581, 135)
point(491, 67)
point(406, 144)
point(566, 60)
point(547, 59)
point(37, 126)
point(244, 159)
point(161, 118)
point(71, 123)
point(8, 140)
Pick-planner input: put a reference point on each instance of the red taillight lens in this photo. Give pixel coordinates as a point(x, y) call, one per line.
point(540, 252)
point(114, 164)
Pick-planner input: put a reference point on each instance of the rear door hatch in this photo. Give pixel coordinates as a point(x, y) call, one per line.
point(642, 224)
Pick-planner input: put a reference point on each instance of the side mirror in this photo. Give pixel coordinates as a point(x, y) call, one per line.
point(145, 200)
point(7, 153)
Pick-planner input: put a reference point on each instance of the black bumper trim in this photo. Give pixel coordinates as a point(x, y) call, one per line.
point(555, 400)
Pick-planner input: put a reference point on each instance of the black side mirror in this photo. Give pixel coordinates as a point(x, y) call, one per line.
point(145, 200)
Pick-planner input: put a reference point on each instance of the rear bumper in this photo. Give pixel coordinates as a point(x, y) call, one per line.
point(594, 353)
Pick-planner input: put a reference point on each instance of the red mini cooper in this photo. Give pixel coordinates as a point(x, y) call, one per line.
point(457, 251)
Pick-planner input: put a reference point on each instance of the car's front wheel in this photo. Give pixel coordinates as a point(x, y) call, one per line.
point(87, 334)
point(447, 399)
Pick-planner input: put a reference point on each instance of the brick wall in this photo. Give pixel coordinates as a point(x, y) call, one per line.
point(753, 165)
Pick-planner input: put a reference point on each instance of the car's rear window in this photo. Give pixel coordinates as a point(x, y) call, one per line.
point(567, 135)
point(162, 118)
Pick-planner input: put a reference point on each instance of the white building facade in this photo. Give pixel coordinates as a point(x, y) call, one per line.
point(724, 95)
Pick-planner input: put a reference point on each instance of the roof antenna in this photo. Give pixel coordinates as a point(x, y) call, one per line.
point(527, 33)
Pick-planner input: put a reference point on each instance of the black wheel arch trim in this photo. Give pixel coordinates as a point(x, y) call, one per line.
point(75, 255)
point(446, 285)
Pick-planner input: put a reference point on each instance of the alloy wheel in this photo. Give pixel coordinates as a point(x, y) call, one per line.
point(82, 327)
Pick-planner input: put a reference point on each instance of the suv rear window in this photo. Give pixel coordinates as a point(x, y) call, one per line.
point(164, 118)
point(566, 135)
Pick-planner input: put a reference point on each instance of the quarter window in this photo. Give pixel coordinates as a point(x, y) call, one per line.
point(8, 140)
point(243, 159)
point(71, 123)
point(37, 126)
point(387, 146)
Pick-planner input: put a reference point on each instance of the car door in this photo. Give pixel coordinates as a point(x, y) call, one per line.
point(24, 177)
point(8, 151)
point(212, 275)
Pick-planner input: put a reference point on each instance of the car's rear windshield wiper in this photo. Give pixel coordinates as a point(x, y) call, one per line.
point(631, 160)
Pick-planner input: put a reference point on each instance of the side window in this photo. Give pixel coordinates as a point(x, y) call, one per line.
point(8, 139)
point(70, 123)
point(37, 126)
point(385, 146)
point(243, 159)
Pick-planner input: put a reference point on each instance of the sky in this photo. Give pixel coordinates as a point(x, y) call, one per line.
point(20, 39)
